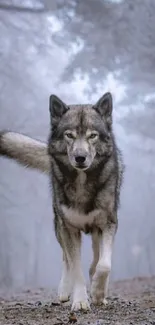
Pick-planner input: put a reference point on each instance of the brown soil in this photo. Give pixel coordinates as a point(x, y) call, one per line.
point(130, 302)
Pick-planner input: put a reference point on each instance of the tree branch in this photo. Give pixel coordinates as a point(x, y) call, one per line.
point(22, 9)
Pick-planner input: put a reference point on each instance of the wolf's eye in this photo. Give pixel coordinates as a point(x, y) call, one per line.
point(69, 135)
point(93, 135)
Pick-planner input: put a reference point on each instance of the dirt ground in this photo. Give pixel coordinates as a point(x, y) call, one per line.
point(130, 302)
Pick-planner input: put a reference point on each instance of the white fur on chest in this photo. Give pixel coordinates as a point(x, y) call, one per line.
point(75, 216)
point(80, 220)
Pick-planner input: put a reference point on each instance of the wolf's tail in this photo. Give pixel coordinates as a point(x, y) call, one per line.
point(25, 150)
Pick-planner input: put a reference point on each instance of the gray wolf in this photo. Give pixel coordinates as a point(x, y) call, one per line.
point(85, 167)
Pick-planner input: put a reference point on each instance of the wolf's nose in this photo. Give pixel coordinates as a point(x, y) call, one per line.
point(80, 159)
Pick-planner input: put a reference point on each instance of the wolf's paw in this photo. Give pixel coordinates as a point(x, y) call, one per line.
point(80, 305)
point(99, 301)
point(64, 297)
point(64, 291)
point(99, 286)
point(105, 302)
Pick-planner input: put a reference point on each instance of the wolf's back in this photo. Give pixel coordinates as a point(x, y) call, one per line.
point(25, 150)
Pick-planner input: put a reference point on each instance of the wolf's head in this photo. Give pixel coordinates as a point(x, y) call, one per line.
point(81, 132)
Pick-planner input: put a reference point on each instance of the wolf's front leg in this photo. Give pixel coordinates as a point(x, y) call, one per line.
point(80, 297)
point(65, 286)
point(95, 247)
point(100, 279)
point(70, 241)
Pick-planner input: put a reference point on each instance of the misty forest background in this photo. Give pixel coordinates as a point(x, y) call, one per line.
point(77, 50)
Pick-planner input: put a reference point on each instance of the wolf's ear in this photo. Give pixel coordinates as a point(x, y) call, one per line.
point(56, 107)
point(104, 105)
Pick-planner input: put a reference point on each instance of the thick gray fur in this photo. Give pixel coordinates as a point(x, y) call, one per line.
point(86, 168)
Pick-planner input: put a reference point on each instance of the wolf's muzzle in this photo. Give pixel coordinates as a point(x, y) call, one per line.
point(80, 161)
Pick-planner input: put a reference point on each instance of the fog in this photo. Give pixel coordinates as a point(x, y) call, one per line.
point(76, 50)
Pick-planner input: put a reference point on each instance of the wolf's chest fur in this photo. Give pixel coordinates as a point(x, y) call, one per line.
point(80, 212)
point(79, 191)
